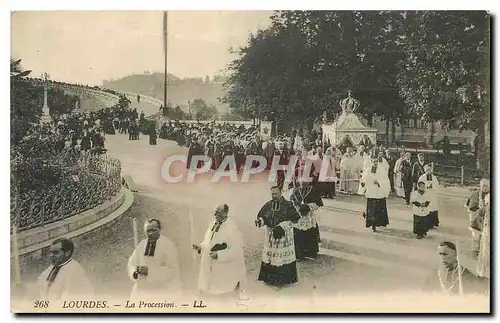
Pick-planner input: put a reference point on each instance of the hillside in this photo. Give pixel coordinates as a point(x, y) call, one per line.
point(179, 91)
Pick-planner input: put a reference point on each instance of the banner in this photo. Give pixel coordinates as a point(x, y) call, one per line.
point(265, 129)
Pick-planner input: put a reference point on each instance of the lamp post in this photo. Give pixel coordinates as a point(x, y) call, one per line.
point(165, 51)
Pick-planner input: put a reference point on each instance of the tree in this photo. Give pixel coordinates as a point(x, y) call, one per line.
point(275, 77)
point(26, 101)
point(201, 110)
point(430, 65)
point(218, 78)
point(444, 75)
point(305, 63)
point(123, 102)
point(207, 79)
point(374, 74)
point(59, 102)
point(176, 113)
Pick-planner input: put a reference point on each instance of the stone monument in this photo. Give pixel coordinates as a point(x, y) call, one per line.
point(348, 127)
point(45, 118)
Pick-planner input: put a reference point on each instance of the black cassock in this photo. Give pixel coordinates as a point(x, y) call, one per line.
point(417, 171)
point(306, 232)
point(278, 265)
point(406, 176)
point(152, 137)
point(194, 150)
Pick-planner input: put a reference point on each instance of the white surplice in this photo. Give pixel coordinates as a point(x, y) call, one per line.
point(421, 198)
point(317, 163)
point(222, 275)
point(385, 164)
point(483, 260)
point(371, 190)
point(349, 173)
point(331, 169)
point(431, 188)
point(71, 283)
point(163, 279)
point(298, 144)
point(362, 162)
point(398, 178)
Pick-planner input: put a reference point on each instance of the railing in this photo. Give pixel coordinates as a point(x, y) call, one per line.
point(132, 96)
point(109, 98)
point(98, 180)
point(101, 93)
point(456, 174)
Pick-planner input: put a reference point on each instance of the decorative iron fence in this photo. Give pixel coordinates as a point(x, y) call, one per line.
point(97, 180)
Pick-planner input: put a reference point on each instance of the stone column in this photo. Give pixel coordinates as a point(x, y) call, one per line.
point(45, 109)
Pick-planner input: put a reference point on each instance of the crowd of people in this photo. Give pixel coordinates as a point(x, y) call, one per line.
point(292, 231)
point(291, 236)
point(86, 132)
point(374, 173)
point(212, 139)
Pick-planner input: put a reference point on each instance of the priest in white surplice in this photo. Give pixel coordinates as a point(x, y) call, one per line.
point(65, 278)
point(398, 176)
point(349, 172)
point(375, 186)
point(382, 161)
point(431, 187)
point(362, 159)
point(222, 267)
point(154, 266)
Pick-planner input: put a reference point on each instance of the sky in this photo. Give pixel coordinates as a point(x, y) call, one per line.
point(91, 46)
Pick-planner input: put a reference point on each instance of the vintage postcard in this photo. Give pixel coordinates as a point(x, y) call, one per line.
point(250, 161)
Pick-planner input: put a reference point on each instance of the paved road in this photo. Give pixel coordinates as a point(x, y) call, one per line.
point(147, 108)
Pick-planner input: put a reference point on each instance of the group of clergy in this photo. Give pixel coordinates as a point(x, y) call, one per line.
point(376, 169)
point(214, 141)
point(290, 225)
point(407, 175)
point(291, 235)
point(153, 265)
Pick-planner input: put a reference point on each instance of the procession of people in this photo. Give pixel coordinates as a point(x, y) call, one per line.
point(86, 132)
point(290, 223)
point(373, 173)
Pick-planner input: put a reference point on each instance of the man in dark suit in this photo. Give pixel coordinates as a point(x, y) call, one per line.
point(391, 160)
point(406, 175)
point(418, 169)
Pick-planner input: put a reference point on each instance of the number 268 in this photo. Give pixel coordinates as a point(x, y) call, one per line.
point(41, 304)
